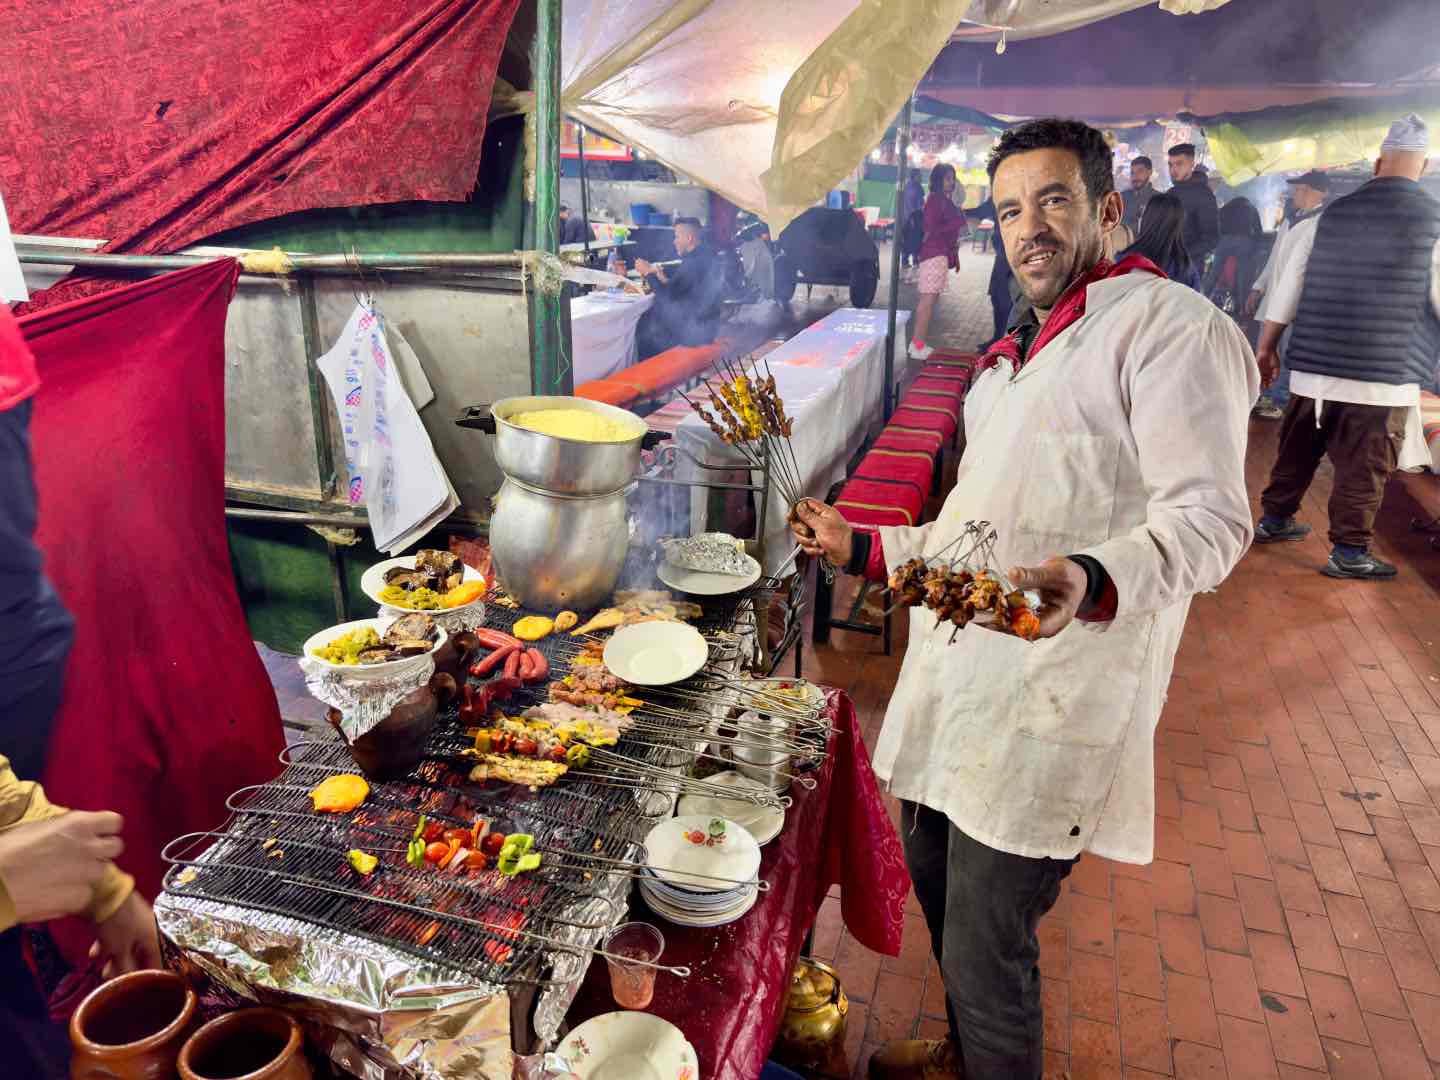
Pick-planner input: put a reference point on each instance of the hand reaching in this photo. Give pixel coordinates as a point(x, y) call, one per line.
point(821, 531)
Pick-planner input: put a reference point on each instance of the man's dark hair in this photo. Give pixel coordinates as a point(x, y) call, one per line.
point(1097, 162)
point(1184, 149)
point(692, 222)
point(1143, 160)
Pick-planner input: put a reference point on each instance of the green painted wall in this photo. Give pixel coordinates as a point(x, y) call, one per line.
point(877, 193)
point(282, 570)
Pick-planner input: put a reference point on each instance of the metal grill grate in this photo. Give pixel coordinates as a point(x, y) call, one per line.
point(276, 854)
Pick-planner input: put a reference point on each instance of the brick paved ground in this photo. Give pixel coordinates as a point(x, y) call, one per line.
point(1290, 925)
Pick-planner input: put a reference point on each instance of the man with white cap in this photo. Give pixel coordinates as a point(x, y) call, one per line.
point(1363, 292)
point(1307, 196)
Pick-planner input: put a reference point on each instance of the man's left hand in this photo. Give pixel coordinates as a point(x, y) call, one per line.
point(127, 940)
point(1061, 584)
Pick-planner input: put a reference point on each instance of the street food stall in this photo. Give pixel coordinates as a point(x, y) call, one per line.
point(537, 742)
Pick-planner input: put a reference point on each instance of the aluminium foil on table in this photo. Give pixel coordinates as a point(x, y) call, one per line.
point(378, 1013)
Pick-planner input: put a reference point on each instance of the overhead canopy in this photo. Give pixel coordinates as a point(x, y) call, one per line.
point(770, 104)
point(1322, 134)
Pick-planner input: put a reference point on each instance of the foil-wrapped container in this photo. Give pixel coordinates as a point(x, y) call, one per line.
point(711, 553)
point(378, 1013)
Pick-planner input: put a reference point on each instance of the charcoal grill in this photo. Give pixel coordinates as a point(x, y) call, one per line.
point(277, 855)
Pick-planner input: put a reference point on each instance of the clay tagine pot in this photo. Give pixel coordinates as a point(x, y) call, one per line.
point(253, 1044)
point(393, 747)
point(132, 1028)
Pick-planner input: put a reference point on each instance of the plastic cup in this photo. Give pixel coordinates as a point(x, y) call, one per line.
point(630, 949)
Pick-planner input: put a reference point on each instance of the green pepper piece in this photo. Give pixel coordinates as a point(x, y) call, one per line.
point(578, 756)
point(419, 828)
point(528, 862)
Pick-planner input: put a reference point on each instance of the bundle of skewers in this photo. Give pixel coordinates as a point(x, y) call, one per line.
point(746, 412)
point(966, 587)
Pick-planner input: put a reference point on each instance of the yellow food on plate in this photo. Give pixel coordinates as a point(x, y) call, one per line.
point(566, 620)
point(464, 593)
point(532, 627)
point(415, 599)
point(346, 648)
point(577, 424)
point(340, 794)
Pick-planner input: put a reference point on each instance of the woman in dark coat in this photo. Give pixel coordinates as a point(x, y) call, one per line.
point(1162, 240)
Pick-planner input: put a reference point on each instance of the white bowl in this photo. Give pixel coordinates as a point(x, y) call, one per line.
point(373, 580)
point(629, 1046)
point(366, 672)
point(656, 653)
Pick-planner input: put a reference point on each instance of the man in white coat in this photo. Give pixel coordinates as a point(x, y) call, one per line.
point(1106, 443)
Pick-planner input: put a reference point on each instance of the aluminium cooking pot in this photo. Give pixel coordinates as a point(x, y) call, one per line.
point(555, 552)
point(555, 464)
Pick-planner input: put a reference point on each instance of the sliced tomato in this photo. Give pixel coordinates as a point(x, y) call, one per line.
point(492, 844)
point(462, 835)
point(476, 860)
point(433, 832)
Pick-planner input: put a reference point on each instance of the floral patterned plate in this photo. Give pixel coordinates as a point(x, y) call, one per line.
point(702, 853)
point(629, 1046)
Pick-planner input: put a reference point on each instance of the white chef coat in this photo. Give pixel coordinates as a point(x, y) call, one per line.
point(1123, 439)
point(1262, 282)
point(1282, 303)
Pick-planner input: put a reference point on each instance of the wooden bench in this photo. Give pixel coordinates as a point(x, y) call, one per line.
point(654, 378)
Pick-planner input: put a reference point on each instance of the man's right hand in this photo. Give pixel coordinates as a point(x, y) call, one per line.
point(1252, 303)
point(1268, 357)
point(821, 530)
point(50, 868)
point(644, 267)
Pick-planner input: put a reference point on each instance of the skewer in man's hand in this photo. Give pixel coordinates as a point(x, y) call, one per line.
point(821, 531)
point(1061, 584)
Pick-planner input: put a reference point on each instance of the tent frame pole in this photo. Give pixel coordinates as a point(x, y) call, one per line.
point(902, 150)
point(545, 326)
point(584, 187)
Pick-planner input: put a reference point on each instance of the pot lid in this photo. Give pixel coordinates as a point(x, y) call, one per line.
point(812, 985)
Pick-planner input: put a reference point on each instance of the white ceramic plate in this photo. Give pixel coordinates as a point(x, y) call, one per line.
point(365, 672)
point(656, 653)
point(812, 696)
point(373, 580)
point(689, 918)
point(629, 1046)
point(676, 858)
point(762, 822)
point(704, 583)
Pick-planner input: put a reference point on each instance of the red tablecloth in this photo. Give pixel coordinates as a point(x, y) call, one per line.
point(730, 1007)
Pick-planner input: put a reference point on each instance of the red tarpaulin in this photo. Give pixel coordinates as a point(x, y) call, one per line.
point(153, 123)
point(167, 707)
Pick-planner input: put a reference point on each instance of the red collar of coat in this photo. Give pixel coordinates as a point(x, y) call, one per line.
point(1067, 310)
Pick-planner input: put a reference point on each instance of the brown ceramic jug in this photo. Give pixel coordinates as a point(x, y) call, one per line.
point(132, 1028)
point(393, 747)
point(256, 1044)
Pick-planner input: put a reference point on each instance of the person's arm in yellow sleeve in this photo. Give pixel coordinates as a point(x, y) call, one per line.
point(56, 862)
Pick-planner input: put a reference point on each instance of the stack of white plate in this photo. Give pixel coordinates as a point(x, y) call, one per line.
point(701, 870)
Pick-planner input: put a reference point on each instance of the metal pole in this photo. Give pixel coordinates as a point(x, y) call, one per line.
point(902, 149)
point(340, 264)
point(545, 310)
point(584, 186)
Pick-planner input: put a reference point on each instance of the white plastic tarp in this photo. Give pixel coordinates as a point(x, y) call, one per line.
point(772, 102)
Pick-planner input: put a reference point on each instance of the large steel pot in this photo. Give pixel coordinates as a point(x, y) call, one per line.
point(558, 551)
point(551, 463)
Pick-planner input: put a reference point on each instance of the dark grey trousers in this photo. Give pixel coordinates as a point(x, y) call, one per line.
point(983, 907)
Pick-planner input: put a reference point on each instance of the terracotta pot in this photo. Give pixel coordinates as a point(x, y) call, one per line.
point(132, 1028)
point(256, 1044)
point(393, 747)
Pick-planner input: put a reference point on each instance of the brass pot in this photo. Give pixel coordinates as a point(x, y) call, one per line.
point(812, 1032)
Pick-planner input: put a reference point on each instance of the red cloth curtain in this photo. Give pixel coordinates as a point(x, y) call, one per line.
point(167, 707)
point(153, 123)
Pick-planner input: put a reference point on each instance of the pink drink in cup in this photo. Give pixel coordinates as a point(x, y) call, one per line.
point(633, 984)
